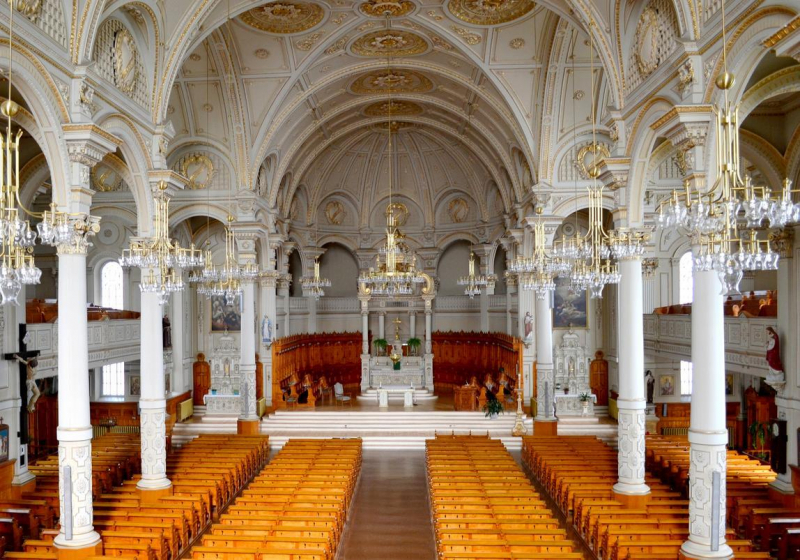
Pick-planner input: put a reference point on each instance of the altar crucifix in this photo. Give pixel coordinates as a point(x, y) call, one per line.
point(397, 322)
point(27, 372)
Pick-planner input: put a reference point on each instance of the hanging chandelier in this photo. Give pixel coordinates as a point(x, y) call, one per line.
point(313, 285)
point(160, 254)
point(725, 218)
point(395, 271)
point(474, 282)
point(225, 280)
point(538, 272)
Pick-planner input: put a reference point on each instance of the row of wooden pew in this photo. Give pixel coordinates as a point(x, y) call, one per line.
point(483, 505)
point(206, 473)
point(294, 509)
point(578, 472)
point(751, 512)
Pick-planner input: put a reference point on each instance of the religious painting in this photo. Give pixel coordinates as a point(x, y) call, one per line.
point(225, 317)
point(666, 386)
point(3, 442)
point(136, 385)
point(729, 384)
point(569, 306)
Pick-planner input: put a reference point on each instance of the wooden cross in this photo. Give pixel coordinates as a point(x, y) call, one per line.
point(26, 355)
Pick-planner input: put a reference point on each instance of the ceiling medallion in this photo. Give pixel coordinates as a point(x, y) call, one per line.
point(394, 126)
point(389, 42)
point(199, 170)
point(105, 179)
point(589, 158)
point(458, 209)
point(392, 81)
point(394, 108)
point(335, 212)
point(380, 8)
point(284, 17)
point(125, 61)
point(489, 12)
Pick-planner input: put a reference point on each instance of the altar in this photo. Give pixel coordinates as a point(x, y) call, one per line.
point(572, 405)
point(572, 387)
point(223, 396)
point(382, 372)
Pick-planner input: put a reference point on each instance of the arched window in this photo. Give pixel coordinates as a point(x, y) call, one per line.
point(685, 280)
point(111, 285)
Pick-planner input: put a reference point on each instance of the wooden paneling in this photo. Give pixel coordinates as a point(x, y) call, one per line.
point(460, 355)
point(337, 356)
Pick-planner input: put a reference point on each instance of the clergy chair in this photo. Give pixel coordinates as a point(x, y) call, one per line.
point(341, 397)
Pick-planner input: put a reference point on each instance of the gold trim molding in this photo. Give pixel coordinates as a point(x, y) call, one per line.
point(380, 8)
point(489, 12)
point(389, 42)
point(284, 17)
point(391, 81)
point(394, 108)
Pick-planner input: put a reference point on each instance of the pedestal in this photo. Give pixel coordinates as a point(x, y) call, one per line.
point(545, 428)
point(408, 398)
point(383, 398)
point(248, 427)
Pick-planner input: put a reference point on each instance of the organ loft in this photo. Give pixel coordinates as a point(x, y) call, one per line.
point(399, 279)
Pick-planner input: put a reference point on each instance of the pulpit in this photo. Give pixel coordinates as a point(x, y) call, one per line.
point(223, 398)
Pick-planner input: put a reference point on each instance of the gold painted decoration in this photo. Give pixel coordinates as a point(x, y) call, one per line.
point(126, 59)
point(199, 170)
point(394, 126)
point(380, 8)
point(489, 12)
point(394, 108)
point(589, 158)
point(284, 17)
point(105, 179)
point(646, 52)
point(400, 212)
point(458, 209)
point(31, 9)
point(335, 212)
point(389, 42)
point(392, 81)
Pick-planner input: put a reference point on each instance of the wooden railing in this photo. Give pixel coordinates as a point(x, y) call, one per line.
point(337, 356)
point(460, 355)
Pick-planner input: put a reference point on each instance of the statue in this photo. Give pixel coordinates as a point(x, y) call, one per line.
point(266, 331)
point(33, 389)
point(166, 332)
point(776, 376)
point(651, 385)
point(528, 326)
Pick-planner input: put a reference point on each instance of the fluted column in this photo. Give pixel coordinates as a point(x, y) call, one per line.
point(269, 328)
point(365, 355)
point(428, 299)
point(708, 435)
point(247, 358)
point(631, 400)
point(545, 420)
point(74, 426)
point(152, 403)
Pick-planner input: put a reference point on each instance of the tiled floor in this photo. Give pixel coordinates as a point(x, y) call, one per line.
point(390, 519)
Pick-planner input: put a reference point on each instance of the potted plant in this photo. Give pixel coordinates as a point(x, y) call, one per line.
point(492, 408)
point(585, 398)
point(380, 346)
point(413, 345)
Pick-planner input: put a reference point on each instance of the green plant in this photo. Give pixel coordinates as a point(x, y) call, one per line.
point(492, 407)
point(584, 397)
point(758, 433)
point(380, 344)
point(414, 342)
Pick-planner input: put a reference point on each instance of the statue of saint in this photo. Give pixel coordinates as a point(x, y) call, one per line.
point(266, 330)
point(776, 376)
point(528, 325)
point(651, 385)
point(166, 332)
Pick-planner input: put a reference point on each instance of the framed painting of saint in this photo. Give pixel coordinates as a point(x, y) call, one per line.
point(225, 317)
point(570, 307)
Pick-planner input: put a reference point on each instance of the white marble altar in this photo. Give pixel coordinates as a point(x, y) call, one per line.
point(572, 377)
point(223, 398)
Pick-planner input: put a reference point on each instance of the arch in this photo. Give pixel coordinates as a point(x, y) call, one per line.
point(339, 265)
point(786, 80)
point(451, 263)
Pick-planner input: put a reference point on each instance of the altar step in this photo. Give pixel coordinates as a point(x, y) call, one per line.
point(396, 394)
point(388, 429)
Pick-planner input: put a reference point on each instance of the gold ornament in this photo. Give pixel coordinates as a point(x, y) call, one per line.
point(284, 17)
point(391, 81)
point(394, 108)
point(126, 58)
point(335, 212)
point(199, 170)
point(458, 209)
point(380, 8)
point(105, 179)
point(588, 167)
point(389, 42)
point(400, 212)
point(489, 12)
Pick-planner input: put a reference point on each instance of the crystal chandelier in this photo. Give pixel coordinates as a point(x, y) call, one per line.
point(225, 280)
point(724, 218)
point(395, 271)
point(473, 282)
point(538, 272)
point(160, 254)
point(313, 285)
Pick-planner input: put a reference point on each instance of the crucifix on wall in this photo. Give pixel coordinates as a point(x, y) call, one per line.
point(27, 374)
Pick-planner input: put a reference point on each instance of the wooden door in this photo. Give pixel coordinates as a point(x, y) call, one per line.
point(598, 378)
point(202, 379)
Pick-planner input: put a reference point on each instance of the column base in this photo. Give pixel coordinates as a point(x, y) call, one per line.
point(694, 551)
point(545, 428)
point(66, 551)
point(248, 427)
point(149, 496)
point(632, 501)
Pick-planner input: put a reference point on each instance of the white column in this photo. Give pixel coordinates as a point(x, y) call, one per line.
point(545, 380)
point(428, 341)
point(312, 315)
point(428, 331)
point(74, 424)
point(178, 384)
point(269, 309)
point(152, 404)
point(412, 324)
point(484, 310)
point(381, 325)
point(364, 331)
point(247, 358)
point(365, 356)
point(631, 398)
point(708, 435)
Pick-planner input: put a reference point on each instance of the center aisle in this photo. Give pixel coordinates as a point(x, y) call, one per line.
point(390, 518)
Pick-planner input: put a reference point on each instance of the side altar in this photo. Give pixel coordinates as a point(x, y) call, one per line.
point(572, 378)
point(223, 396)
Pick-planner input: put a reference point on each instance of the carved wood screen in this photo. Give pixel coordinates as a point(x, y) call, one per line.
point(337, 356)
point(460, 355)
